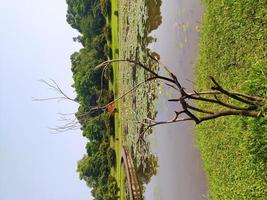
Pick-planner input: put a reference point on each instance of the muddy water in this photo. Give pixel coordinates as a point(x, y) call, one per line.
point(180, 175)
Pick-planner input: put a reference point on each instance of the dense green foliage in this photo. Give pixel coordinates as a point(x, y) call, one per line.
point(233, 49)
point(95, 167)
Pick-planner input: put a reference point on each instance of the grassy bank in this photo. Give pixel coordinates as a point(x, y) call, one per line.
point(233, 48)
point(117, 143)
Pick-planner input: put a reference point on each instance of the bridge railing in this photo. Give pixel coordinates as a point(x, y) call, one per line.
point(132, 179)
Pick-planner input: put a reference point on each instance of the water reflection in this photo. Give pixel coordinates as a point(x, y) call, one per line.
point(180, 175)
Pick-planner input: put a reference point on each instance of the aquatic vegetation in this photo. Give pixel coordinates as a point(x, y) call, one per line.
point(233, 49)
point(133, 40)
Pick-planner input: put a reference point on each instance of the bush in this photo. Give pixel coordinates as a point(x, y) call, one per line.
point(106, 7)
point(108, 33)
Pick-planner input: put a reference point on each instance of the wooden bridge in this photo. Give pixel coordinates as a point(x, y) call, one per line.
point(132, 180)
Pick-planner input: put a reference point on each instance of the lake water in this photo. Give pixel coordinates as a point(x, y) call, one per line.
point(180, 174)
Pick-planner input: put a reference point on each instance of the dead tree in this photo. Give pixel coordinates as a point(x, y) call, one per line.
point(53, 85)
point(67, 121)
point(70, 121)
point(251, 105)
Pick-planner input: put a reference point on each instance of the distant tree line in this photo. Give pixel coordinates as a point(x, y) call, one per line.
point(89, 18)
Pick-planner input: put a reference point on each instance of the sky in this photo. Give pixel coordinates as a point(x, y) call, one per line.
point(36, 43)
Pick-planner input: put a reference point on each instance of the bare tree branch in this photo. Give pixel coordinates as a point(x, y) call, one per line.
point(247, 105)
point(217, 90)
point(54, 86)
point(222, 90)
point(232, 112)
point(106, 63)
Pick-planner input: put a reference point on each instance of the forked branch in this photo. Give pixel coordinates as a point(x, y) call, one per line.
point(53, 85)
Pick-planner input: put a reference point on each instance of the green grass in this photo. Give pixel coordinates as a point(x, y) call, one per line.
point(117, 144)
point(233, 48)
